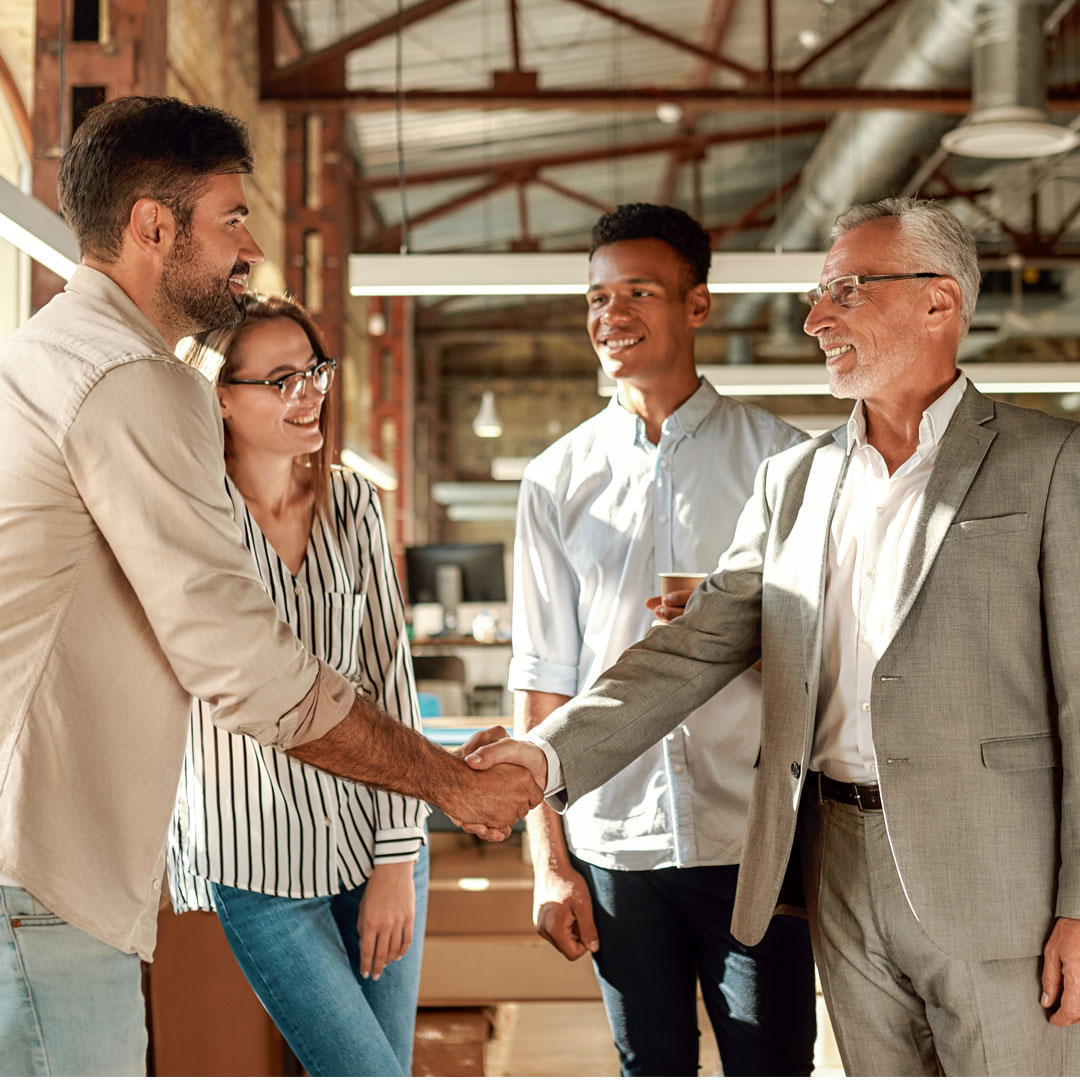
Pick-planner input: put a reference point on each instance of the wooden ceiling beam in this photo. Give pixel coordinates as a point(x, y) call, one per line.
point(816, 99)
point(714, 34)
point(512, 167)
point(390, 238)
point(323, 72)
point(749, 219)
point(840, 38)
point(573, 194)
point(649, 30)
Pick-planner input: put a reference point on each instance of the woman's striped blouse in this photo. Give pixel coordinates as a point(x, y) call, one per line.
point(254, 818)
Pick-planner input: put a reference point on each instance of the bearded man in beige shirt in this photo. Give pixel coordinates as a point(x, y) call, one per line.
point(125, 590)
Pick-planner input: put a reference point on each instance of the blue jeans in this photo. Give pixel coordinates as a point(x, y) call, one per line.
point(70, 1005)
point(302, 958)
point(662, 930)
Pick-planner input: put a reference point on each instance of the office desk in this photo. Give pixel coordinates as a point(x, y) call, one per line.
point(481, 947)
point(486, 666)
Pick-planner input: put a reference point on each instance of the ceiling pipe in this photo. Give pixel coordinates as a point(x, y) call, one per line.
point(864, 155)
point(1008, 88)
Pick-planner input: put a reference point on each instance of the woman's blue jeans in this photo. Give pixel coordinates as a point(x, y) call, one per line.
point(302, 958)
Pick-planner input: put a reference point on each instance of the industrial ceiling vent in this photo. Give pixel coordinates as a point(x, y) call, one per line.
point(1009, 118)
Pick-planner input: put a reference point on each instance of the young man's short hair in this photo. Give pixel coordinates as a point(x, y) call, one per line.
point(645, 221)
point(143, 147)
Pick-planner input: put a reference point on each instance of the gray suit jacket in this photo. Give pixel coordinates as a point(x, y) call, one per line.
point(975, 702)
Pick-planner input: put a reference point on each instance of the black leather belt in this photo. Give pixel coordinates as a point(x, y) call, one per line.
point(864, 796)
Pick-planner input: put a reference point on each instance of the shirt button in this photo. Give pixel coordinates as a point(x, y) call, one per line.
point(879, 510)
point(868, 640)
point(662, 519)
point(155, 884)
point(872, 572)
point(665, 464)
point(677, 769)
point(866, 706)
point(297, 590)
point(326, 822)
point(796, 770)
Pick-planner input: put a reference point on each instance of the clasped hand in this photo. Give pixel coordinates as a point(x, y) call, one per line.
point(495, 754)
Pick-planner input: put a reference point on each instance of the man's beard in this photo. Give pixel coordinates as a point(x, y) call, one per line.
point(197, 298)
point(865, 378)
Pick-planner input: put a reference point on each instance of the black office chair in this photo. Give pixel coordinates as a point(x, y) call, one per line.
point(444, 677)
point(445, 668)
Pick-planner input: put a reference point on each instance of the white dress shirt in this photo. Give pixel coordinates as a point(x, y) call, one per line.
point(869, 540)
point(601, 513)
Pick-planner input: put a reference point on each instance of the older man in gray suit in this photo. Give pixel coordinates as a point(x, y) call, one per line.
point(911, 583)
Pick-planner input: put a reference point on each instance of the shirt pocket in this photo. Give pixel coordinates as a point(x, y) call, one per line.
point(1019, 752)
point(969, 530)
point(342, 632)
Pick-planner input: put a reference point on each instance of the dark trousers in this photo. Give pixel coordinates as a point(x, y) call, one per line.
point(662, 930)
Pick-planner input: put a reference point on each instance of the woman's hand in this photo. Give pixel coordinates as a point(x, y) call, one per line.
point(385, 922)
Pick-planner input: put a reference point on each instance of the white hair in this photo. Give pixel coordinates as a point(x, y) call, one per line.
point(934, 236)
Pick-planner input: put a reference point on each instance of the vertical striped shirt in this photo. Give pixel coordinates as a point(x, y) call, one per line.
point(254, 818)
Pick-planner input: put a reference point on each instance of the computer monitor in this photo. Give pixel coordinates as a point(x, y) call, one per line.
point(480, 569)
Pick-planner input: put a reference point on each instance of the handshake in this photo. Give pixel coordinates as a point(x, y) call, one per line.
point(507, 780)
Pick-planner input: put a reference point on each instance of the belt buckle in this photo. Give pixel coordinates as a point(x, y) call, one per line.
point(858, 796)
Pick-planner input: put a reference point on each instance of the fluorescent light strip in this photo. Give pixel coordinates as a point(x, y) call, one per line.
point(544, 274)
point(379, 472)
point(446, 493)
point(781, 380)
point(32, 227)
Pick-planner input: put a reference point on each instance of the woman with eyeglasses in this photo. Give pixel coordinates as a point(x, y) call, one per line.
point(320, 884)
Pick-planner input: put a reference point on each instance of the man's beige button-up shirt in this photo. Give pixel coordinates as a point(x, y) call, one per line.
point(124, 590)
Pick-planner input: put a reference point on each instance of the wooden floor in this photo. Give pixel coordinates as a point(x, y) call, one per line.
point(544, 1039)
point(537, 1035)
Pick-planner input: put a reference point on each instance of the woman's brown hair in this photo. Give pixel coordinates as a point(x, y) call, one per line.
point(214, 353)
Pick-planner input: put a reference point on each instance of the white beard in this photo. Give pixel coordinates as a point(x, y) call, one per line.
point(865, 379)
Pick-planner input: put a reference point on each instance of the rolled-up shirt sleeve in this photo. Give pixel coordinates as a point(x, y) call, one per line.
point(546, 632)
point(145, 452)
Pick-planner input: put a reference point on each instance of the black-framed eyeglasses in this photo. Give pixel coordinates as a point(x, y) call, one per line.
point(291, 386)
point(845, 290)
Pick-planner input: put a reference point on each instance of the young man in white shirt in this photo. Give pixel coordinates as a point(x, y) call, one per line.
point(643, 875)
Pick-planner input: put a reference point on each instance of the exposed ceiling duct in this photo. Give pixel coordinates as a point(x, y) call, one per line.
point(865, 154)
point(1008, 117)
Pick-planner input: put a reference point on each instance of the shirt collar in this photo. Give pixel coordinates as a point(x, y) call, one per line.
point(932, 426)
point(86, 281)
point(687, 418)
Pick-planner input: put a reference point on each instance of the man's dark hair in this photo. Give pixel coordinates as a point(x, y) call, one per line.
point(644, 221)
point(143, 147)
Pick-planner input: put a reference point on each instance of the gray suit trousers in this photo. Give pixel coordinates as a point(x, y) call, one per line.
point(899, 1004)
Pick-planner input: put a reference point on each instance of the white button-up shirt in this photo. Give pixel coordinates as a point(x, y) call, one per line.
point(601, 513)
point(869, 540)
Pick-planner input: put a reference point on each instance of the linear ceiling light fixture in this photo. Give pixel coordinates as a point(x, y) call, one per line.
point(549, 274)
point(32, 227)
point(381, 473)
point(781, 380)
